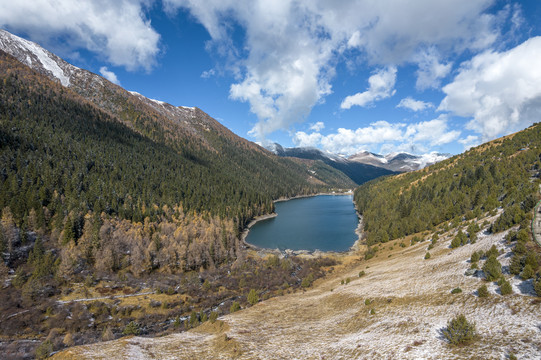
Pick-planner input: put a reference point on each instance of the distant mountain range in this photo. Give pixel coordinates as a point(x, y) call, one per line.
point(362, 166)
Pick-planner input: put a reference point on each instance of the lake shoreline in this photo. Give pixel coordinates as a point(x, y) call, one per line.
point(311, 253)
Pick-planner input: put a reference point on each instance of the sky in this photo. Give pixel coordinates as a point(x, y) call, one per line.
point(385, 76)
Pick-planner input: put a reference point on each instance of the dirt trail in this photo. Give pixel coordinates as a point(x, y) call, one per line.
point(412, 301)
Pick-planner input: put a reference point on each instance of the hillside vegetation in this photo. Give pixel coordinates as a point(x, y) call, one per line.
point(503, 173)
point(114, 200)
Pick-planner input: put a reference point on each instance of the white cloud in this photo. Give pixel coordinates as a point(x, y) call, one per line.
point(208, 73)
point(381, 86)
point(414, 105)
point(109, 75)
point(287, 58)
point(303, 139)
point(116, 30)
point(431, 70)
point(317, 126)
point(469, 142)
point(382, 136)
point(499, 91)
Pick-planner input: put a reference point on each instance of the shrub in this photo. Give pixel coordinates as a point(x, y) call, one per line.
point(402, 245)
point(460, 331)
point(253, 298)
point(369, 253)
point(307, 281)
point(131, 329)
point(194, 321)
point(456, 290)
point(505, 288)
point(367, 301)
point(482, 291)
point(492, 268)
point(107, 335)
point(455, 243)
point(203, 316)
point(492, 252)
point(527, 272)
point(531, 259)
point(372, 311)
point(68, 340)
point(515, 267)
point(361, 273)
point(213, 317)
point(44, 350)
point(537, 286)
point(348, 280)
point(427, 255)
point(475, 257)
point(234, 307)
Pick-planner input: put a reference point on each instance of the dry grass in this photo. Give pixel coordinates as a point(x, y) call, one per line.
point(412, 302)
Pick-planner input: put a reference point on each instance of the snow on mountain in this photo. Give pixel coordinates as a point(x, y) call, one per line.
point(399, 161)
point(30, 53)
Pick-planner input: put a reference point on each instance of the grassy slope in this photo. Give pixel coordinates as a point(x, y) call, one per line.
point(332, 320)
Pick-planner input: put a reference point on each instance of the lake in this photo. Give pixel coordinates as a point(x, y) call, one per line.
point(323, 222)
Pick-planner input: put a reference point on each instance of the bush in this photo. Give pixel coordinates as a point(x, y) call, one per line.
point(372, 311)
point(515, 267)
point(131, 329)
point(505, 288)
point(44, 350)
point(213, 317)
point(234, 307)
point(361, 273)
point(475, 257)
point(369, 253)
point(367, 302)
point(482, 291)
point(460, 331)
point(527, 272)
point(307, 281)
point(253, 298)
point(348, 280)
point(492, 268)
point(492, 252)
point(427, 255)
point(107, 334)
point(455, 243)
point(537, 286)
point(456, 290)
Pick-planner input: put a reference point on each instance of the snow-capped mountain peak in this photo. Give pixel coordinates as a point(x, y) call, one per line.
point(30, 53)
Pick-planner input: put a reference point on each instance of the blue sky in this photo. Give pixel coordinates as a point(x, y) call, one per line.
point(344, 76)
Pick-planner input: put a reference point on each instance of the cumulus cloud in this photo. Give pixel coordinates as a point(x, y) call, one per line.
point(317, 126)
point(499, 91)
point(381, 86)
point(116, 30)
point(431, 70)
point(469, 141)
point(382, 136)
point(109, 75)
point(287, 58)
point(208, 73)
point(414, 105)
point(303, 139)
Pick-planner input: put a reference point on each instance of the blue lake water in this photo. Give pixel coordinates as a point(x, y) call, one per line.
point(323, 222)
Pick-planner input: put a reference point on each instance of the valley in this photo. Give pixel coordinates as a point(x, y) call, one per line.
point(122, 222)
point(411, 301)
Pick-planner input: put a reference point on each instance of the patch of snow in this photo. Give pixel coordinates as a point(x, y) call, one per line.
point(41, 54)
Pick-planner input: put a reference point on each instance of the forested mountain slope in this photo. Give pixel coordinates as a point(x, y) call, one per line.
point(87, 196)
point(502, 173)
